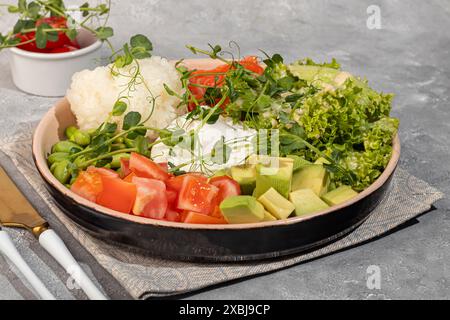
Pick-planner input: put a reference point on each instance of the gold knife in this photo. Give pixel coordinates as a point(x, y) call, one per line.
point(18, 212)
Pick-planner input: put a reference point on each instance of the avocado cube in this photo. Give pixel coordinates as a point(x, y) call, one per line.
point(306, 202)
point(268, 216)
point(314, 177)
point(245, 175)
point(277, 174)
point(299, 162)
point(242, 209)
point(339, 195)
point(276, 204)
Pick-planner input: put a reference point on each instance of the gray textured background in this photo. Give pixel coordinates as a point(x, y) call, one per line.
point(409, 56)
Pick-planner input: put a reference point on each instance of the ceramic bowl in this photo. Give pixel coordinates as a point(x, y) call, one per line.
point(49, 74)
point(232, 242)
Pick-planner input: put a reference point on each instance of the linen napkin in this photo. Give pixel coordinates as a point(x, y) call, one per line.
point(143, 275)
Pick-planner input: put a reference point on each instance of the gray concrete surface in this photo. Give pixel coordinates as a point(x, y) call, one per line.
point(408, 56)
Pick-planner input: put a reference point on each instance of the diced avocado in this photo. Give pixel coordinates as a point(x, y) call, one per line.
point(306, 202)
point(245, 175)
point(314, 177)
point(277, 174)
point(276, 204)
point(299, 162)
point(321, 76)
point(321, 160)
point(324, 77)
point(268, 216)
point(339, 195)
point(242, 209)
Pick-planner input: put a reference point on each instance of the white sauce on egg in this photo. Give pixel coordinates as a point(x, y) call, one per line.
point(238, 138)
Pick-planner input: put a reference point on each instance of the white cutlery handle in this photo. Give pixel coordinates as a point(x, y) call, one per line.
point(58, 250)
point(9, 250)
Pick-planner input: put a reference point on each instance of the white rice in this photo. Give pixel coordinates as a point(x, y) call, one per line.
point(93, 93)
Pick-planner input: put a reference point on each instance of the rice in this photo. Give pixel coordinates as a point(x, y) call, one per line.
point(93, 93)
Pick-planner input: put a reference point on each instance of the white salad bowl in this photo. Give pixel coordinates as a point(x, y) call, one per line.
point(50, 74)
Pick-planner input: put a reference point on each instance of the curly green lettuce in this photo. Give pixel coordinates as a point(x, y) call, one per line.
point(353, 123)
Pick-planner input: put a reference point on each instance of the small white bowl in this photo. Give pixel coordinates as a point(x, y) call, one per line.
point(50, 74)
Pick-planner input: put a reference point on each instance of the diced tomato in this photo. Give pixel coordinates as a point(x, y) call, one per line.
point(172, 197)
point(164, 166)
point(146, 168)
point(56, 22)
point(228, 187)
point(172, 215)
point(198, 218)
point(176, 182)
point(88, 185)
point(151, 198)
point(196, 195)
point(251, 63)
point(28, 44)
point(103, 172)
point(129, 178)
point(117, 194)
point(217, 213)
point(124, 167)
point(201, 79)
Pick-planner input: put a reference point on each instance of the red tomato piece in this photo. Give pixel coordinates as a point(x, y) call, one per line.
point(227, 187)
point(251, 63)
point(129, 178)
point(176, 182)
point(172, 215)
point(117, 194)
point(151, 198)
point(105, 172)
point(88, 185)
point(146, 168)
point(196, 195)
point(30, 45)
point(57, 23)
point(124, 167)
point(172, 197)
point(216, 77)
point(164, 166)
point(198, 218)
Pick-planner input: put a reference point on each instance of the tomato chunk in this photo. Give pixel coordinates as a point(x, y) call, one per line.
point(56, 22)
point(176, 182)
point(104, 172)
point(164, 166)
point(200, 80)
point(172, 197)
point(124, 167)
point(151, 198)
point(88, 185)
point(196, 195)
point(172, 215)
point(228, 187)
point(146, 168)
point(129, 178)
point(198, 218)
point(117, 194)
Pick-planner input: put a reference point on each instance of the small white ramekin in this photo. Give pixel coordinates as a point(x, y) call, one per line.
point(50, 74)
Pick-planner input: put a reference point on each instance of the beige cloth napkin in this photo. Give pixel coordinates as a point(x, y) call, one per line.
point(145, 276)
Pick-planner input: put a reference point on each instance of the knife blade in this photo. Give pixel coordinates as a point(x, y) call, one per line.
point(18, 212)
